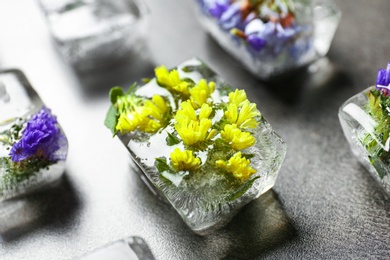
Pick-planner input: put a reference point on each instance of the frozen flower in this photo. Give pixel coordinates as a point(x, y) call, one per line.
point(218, 7)
point(383, 79)
point(273, 33)
point(201, 92)
point(238, 165)
point(156, 108)
point(236, 138)
point(231, 17)
point(244, 117)
point(284, 33)
point(237, 97)
point(41, 138)
point(171, 80)
point(134, 113)
point(193, 129)
point(193, 132)
point(205, 111)
point(129, 121)
point(184, 160)
point(187, 111)
point(240, 111)
point(256, 42)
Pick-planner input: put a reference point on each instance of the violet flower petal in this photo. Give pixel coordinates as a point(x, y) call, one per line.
point(256, 42)
point(232, 17)
point(217, 8)
point(41, 133)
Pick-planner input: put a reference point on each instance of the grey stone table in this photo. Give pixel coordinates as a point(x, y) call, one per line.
point(324, 205)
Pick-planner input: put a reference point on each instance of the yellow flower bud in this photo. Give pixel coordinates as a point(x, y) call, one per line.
point(184, 160)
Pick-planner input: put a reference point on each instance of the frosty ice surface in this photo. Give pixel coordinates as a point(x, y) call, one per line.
point(206, 167)
point(33, 147)
point(95, 33)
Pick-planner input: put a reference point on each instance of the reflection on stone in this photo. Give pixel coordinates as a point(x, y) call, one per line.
point(308, 83)
point(57, 203)
point(17, 213)
point(260, 227)
point(133, 66)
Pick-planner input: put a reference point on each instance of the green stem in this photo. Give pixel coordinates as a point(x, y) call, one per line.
point(5, 139)
point(6, 122)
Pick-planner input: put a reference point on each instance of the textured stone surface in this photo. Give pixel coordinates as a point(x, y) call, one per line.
point(324, 205)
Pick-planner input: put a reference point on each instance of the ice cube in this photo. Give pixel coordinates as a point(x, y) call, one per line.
point(33, 147)
point(132, 248)
point(367, 143)
point(208, 197)
point(95, 33)
point(272, 40)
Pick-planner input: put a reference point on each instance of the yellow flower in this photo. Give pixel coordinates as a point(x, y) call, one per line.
point(184, 160)
point(205, 111)
point(237, 97)
point(191, 128)
point(149, 125)
point(201, 92)
point(171, 80)
point(187, 111)
point(237, 139)
point(156, 107)
point(238, 165)
point(125, 124)
point(192, 132)
point(147, 117)
point(243, 116)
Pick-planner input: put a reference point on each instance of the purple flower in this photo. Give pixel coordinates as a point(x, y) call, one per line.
point(254, 31)
point(256, 42)
point(383, 78)
point(231, 17)
point(284, 34)
point(273, 35)
point(218, 7)
point(41, 137)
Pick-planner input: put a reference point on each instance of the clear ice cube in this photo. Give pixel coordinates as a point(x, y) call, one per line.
point(95, 33)
point(132, 248)
point(205, 201)
point(18, 104)
point(317, 20)
point(359, 128)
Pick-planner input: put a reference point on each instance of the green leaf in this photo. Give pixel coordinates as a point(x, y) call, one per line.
point(131, 89)
point(202, 69)
point(111, 119)
point(115, 92)
point(242, 189)
point(146, 80)
point(171, 139)
point(225, 89)
point(161, 164)
point(248, 155)
point(188, 80)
